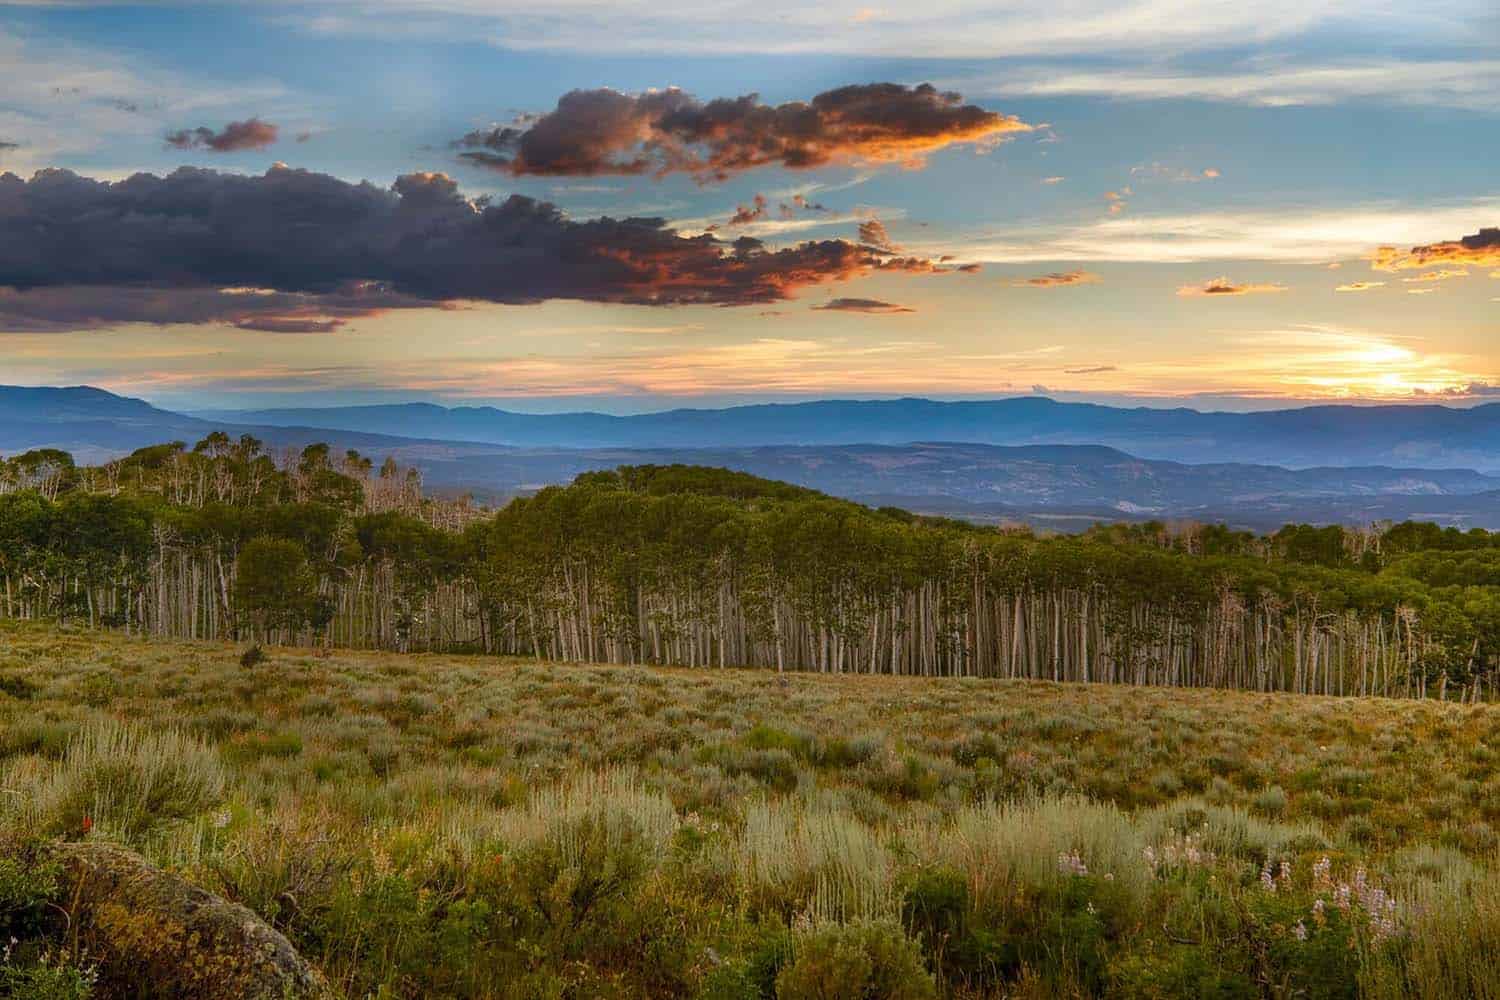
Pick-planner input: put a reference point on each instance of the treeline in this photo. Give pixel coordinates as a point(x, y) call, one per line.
point(707, 567)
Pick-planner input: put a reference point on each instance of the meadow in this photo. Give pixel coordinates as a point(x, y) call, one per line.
point(430, 825)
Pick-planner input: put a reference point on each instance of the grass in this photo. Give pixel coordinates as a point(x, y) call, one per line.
point(445, 826)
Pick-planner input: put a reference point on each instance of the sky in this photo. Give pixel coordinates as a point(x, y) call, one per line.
point(627, 207)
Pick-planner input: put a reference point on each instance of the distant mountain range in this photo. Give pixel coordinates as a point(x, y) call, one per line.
point(1064, 485)
point(1409, 436)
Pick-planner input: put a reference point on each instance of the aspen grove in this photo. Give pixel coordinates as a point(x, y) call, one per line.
point(712, 568)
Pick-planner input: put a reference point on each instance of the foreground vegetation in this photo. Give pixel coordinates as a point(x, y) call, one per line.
point(706, 567)
point(449, 826)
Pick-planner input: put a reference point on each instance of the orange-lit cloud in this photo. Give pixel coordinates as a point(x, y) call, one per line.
point(1322, 362)
point(1360, 286)
point(660, 132)
point(1440, 275)
point(872, 233)
point(1302, 363)
point(1060, 279)
point(1480, 250)
point(746, 214)
point(232, 138)
point(1215, 287)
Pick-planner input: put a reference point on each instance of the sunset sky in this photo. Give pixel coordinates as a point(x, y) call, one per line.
point(1221, 204)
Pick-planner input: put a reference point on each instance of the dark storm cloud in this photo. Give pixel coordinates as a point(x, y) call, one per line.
point(234, 137)
point(199, 246)
point(604, 132)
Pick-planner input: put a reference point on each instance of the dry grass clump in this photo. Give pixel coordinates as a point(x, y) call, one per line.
point(118, 779)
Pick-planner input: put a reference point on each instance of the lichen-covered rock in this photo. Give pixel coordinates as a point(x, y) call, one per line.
point(154, 934)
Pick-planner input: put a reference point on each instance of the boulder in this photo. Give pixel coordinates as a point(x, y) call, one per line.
point(155, 934)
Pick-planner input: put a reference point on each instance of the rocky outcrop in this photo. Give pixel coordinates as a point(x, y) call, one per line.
point(155, 934)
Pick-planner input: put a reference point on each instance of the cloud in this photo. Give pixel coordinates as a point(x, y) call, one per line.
point(1289, 232)
point(52, 309)
point(872, 233)
point(1266, 82)
point(862, 306)
point(759, 210)
point(746, 214)
point(83, 253)
point(1179, 175)
point(660, 132)
point(1360, 286)
point(1444, 274)
point(1053, 180)
point(1420, 291)
point(1317, 361)
point(1481, 250)
point(1061, 279)
point(1216, 287)
point(1094, 370)
point(989, 31)
point(232, 138)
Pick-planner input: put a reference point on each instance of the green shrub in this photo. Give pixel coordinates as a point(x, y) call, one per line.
point(18, 687)
point(259, 746)
point(938, 911)
point(48, 978)
point(836, 752)
point(775, 768)
point(1271, 802)
point(764, 737)
point(29, 885)
point(577, 884)
point(867, 961)
point(753, 977)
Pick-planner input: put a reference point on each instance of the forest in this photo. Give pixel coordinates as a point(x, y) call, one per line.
point(707, 567)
